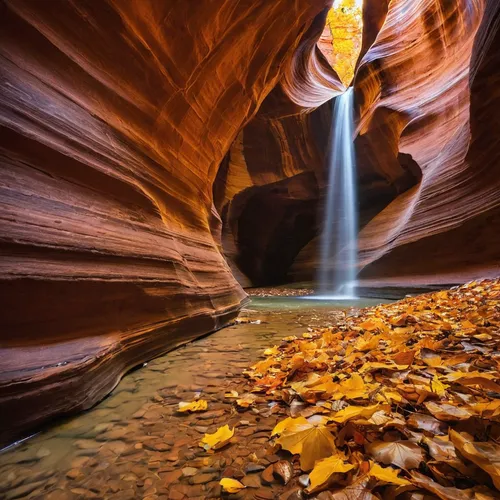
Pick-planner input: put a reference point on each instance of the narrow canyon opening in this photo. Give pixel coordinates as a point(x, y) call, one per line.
point(177, 183)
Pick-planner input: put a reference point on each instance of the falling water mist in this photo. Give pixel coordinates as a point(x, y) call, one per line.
point(337, 272)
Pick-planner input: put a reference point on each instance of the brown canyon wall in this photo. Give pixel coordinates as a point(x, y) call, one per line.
point(428, 155)
point(139, 137)
point(115, 117)
point(437, 81)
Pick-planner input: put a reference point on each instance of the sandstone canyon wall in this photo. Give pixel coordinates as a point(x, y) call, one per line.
point(442, 91)
point(115, 118)
point(427, 145)
point(141, 139)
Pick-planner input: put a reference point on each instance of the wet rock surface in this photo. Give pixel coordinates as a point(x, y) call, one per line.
point(135, 444)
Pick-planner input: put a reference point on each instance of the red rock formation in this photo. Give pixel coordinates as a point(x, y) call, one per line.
point(427, 91)
point(115, 118)
point(442, 101)
point(129, 125)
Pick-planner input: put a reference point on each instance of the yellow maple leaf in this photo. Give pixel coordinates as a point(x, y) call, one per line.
point(353, 411)
point(231, 485)
point(218, 439)
point(323, 470)
point(353, 387)
point(438, 387)
point(288, 423)
point(312, 441)
point(200, 405)
point(387, 475)
point(367, 343)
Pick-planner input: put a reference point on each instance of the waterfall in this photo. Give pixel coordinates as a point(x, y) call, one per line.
point(339, 248)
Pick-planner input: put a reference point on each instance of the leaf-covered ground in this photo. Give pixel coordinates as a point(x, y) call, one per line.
point(397, 401)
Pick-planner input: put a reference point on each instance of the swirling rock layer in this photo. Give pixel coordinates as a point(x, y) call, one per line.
point(439, 79)
point(427, 151)
point(115, 116)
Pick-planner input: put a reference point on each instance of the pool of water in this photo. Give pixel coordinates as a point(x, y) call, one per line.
point(133, 444)
point(311, 302)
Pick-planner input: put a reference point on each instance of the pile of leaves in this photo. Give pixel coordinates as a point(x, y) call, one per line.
point(398, 401)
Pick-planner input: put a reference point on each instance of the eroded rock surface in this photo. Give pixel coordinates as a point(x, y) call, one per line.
point(140, 138)
point(427, 147)
point(437, 83)
point(115, 117)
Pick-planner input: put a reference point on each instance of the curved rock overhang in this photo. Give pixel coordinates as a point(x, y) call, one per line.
point(124, 179)
point(115, 117)
point(426, 89)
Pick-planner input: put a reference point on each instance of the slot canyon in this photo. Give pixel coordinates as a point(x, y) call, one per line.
point(164, 173)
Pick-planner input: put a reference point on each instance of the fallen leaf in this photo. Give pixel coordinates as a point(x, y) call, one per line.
point(353, 387)
point(272, 351)
point(476, 378)
point(438, 387)
point(387, 475)
point(404, 454)
point(311, 442)
point(404, 358)
point(370, 366)
point(487, 410)
point(247, 400)
point(218, 439)
point(485, 455)
point(352, 411)
point(424, 422)
point(356, 491)
point(200, 405)
point(443, 492)
point(430, 357)
point(324, 469)
point(288, 423)
point(447, 412)
point(440, 449)
point(231, 485)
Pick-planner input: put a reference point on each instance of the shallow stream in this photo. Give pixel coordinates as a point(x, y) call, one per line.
point(134, 444)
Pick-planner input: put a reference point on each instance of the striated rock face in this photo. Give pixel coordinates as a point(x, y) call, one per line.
point(437, 80)
point(427, 144)
point(115, 117)
point(142, 139)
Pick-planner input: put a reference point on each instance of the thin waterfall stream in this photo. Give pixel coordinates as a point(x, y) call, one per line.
point(339, 248)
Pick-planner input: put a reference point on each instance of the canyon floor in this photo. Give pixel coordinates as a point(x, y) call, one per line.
point(137, 444)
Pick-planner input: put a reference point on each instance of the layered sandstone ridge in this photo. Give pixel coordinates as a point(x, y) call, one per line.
point(115, 118)
point(428, 152)
point(438, 78)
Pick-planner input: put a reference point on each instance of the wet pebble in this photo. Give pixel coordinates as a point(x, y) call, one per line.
point(189, 471)
point(203, 478)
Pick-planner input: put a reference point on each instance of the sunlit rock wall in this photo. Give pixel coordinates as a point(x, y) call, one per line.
point(427, 148)
point(431, 82)
point(115, 118)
